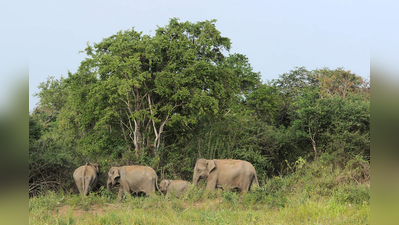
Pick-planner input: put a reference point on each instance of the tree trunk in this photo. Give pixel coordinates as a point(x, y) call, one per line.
point(315, 150)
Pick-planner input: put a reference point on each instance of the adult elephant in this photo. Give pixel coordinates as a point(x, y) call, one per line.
point(132, 178)
point(225, 173)
point(86, 177)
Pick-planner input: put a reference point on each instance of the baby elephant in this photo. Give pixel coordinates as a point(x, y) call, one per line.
point(176, 186)
point(86, 177)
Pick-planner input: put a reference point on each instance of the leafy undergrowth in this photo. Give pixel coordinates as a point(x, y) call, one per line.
point(316, 193)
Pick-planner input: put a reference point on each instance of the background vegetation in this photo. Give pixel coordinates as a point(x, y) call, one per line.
point(167, 100)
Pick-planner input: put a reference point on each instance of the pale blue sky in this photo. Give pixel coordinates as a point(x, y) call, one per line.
point(276, 36)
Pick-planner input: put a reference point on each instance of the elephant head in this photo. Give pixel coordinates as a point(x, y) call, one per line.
point(163, 186)
point(96, 167)
point(113, 177)
point(202, 169)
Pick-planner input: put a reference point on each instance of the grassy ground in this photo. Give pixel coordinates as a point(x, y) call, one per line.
point(314, 194)
point(158, 210)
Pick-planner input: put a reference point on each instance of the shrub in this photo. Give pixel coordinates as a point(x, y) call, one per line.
point(353, 195)
point(230, 197)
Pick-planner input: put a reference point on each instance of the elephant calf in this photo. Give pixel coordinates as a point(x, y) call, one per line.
point(86, 177)
point(132, 178)
point(176, 186)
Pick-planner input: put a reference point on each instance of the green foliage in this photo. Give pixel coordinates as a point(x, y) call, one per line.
point(336, 177)
point(51, 158)
point(338, 82)
point(353, 195)
point(105, 194)
point(53, 94)
point(289, 87)
point(242, 71)
point(133, 88)
point(35, 131)
point(231, 197)
point(274, 192)
point(333, 124)
point(193, 194)
point(44, 202)
point(320, 111)
point(264, 101)
point(271, 195)
point(237, 136)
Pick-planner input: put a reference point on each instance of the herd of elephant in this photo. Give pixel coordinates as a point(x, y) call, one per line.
point(219, 173)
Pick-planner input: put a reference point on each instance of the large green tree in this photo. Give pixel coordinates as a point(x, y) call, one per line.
point(135, 86)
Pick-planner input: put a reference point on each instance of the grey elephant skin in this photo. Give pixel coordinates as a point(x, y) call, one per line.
point(176, 186)
point(225, 173)
point(133, 178)
point(86, 177)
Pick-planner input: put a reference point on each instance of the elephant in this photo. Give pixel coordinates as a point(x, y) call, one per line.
point(86, 177)
point(133, 178)
point(225, 173)
point(176, 186)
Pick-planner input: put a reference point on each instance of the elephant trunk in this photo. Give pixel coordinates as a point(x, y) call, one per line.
point(109, 185)
point(195, 178)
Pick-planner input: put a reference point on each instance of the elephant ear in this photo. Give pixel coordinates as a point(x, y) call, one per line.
point(210, 165)
point(96, 167)
point(168, 183)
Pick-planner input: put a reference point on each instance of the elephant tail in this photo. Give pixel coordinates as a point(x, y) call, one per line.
point(256, 180)
point(156, 184)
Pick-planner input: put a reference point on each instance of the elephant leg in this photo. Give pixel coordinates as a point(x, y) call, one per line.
point(79, 185)
point(86, 187)
point(120, 193)
point(245, 185)
point(171, 191)
point(92, 183)
point(125, 188)
point(148, 188)
point(168, 193)
point(211, 185)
